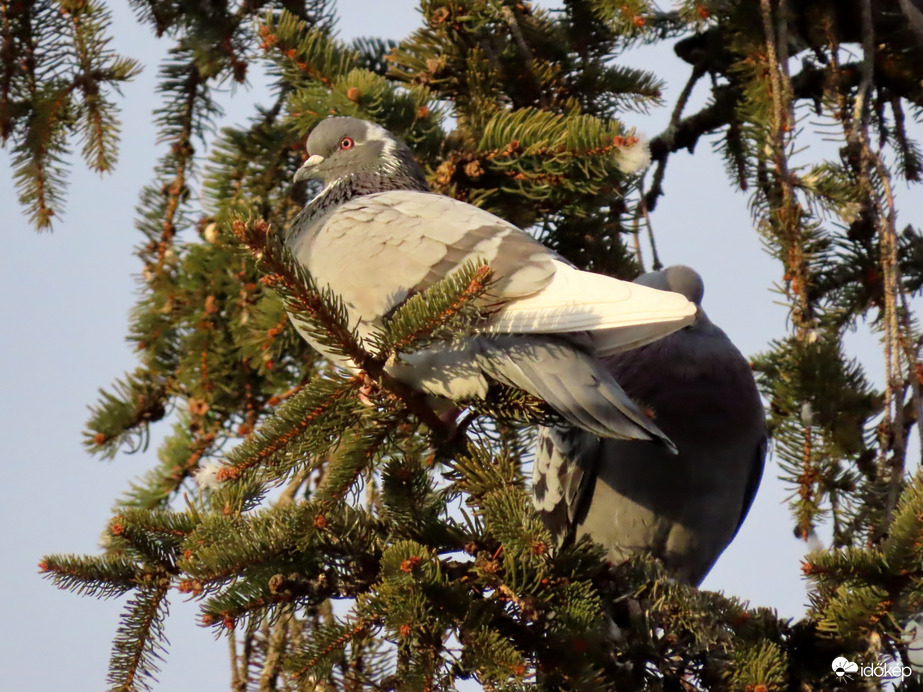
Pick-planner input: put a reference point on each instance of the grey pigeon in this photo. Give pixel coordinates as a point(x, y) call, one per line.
point(635, 496)
point(375, 235)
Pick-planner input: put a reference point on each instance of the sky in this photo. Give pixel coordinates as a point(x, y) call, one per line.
point(66, 299)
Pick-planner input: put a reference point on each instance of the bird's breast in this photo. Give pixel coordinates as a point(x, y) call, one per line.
point(702, 385)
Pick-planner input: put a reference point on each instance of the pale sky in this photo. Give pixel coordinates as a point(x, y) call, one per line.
point(65, 313)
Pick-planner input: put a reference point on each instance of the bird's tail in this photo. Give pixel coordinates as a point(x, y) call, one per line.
point(570, 380)
point(563, 476)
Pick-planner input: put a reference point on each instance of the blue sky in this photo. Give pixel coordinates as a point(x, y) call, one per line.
point(66, 301)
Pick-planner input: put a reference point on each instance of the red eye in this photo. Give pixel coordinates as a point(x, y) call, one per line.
point(346, 143)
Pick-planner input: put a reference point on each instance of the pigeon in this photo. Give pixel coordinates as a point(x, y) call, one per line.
point(634, 496)
point(375, 235)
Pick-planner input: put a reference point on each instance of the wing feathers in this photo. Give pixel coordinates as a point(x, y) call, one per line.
point(574, 383)
point(579, 301)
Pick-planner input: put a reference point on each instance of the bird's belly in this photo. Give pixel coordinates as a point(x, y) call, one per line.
point(680, 508)
point(687, 553)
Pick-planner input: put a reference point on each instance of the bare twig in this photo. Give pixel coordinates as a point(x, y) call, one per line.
point(275, 647)
point(893, 338)
point(656, 190)
point(237, 684)
point(656, 264)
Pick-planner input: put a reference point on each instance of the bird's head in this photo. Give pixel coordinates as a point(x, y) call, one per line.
point(678, 279)
point(343, 147)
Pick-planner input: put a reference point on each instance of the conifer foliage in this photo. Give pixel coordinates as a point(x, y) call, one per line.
point(334, 526)
point(57, 75)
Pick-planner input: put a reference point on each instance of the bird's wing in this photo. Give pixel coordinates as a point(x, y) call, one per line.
point(576, 300)
point(378, 249)
point(573, 382)
point(620, 314)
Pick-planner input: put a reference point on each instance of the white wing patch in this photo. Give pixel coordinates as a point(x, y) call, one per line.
point(619, 314)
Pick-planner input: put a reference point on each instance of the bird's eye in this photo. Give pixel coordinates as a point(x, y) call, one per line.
point(347, 143)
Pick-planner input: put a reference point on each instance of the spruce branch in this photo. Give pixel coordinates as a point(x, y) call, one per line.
point(446, 309)
point(373, 53)
point(355, 454)
point(277, 644)
point(810, 84)
point(276, 573)
point(874, 191)
point(310, 538)
point(98, 65)
point(104, 576)
point(656, 264)
point(55, 72)
point(181, 457)
point(123, 416)
point(509, 16)
point(308, 53)
point(318, 311)
point(868, 591)
point(786, 214)
point(9, 69)
point(157, 549)
point(226, 545)
point(139, 641)
point(185, 116)
point(319, 655)
point(895, 337)
point(412, 507)
point(512, 407)
point(901, 548)
point(265, 596)
point(478, 472)
point(301, 430)
point(656, 187)
point(910, 160)
point(39, 155)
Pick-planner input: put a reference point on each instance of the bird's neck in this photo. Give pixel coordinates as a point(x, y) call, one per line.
point(349, 187)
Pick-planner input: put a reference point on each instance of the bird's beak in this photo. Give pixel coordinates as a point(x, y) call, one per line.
point(307, 168)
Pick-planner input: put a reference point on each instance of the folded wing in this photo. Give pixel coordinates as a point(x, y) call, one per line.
point(620, 315)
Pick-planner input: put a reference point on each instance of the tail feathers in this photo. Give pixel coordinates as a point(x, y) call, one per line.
point(574, 384)
point(563, 476)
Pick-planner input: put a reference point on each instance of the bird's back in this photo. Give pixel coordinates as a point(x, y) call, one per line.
point(636, 496)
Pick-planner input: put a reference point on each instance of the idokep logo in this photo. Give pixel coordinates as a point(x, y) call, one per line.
point(844, 668)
